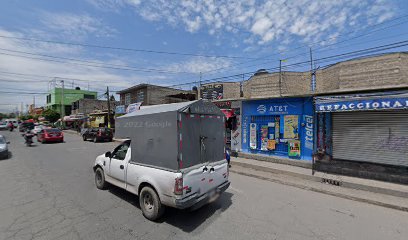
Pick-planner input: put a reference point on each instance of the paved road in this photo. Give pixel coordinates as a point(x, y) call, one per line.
point(48, 192)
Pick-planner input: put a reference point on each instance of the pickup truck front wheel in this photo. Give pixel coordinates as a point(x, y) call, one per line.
point(100, 179)
point(150, 204)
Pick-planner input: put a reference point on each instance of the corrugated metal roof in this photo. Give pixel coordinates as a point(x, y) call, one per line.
point(159, 108)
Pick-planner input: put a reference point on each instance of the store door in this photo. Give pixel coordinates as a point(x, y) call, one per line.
point(371, 136)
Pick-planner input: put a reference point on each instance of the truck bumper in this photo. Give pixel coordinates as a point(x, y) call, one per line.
point(196, 202)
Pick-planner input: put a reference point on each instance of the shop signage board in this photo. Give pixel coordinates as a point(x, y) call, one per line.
point(345, 103)
point(308, 121)
point(120, 109)
point(133, 107)
point(212, 91)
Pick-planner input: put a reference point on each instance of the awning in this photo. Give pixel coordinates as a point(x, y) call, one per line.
point(362, 102)
point(228, 113)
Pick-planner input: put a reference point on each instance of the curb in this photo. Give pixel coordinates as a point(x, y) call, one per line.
point(344, 184)
point(275, 159)
point(344, 196)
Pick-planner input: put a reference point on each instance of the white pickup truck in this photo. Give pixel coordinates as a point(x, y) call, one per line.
point(187, 172)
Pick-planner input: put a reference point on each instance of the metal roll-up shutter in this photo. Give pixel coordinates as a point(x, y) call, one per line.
point(371, 136)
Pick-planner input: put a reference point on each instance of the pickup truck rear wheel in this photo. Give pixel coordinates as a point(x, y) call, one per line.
point(150, 204)
point(84, 137)
point(100, 179)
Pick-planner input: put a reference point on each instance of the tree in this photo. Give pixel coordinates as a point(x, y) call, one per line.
point(51, 115)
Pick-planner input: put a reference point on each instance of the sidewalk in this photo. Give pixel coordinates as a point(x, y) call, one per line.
point(364, 190)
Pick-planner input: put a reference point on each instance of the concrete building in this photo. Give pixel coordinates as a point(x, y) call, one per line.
point(55, 99)
point(87, 106)
point(151, 95)
point(359, 126)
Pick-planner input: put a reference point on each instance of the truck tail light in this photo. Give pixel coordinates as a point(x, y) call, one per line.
point(100, 132)
point(178, 186)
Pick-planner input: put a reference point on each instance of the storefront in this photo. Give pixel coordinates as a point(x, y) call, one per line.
point(369, 128)
point(281, 127)
point(231, 125)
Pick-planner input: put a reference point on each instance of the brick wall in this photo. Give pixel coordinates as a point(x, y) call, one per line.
point(380, 72)
point(158, 95)
point(373, 73)
point(267, 85)
point(87, 106)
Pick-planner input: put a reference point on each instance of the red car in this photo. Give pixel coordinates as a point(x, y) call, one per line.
point(50, 135)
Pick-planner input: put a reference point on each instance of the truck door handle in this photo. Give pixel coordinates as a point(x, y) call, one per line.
point(205, 169)
point(212, 169)
point(122, 167)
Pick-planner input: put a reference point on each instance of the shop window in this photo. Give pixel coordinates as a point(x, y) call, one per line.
point(140, 96)
point(127, 98)
point(275, 134)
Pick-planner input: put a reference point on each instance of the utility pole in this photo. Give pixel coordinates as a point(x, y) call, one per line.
point(280, 78)
point(33, 102)
point(312, 73)
point(199, 88)
point(62, 103)
point(107, 96)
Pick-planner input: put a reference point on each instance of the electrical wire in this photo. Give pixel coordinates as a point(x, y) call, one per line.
point(125, 49)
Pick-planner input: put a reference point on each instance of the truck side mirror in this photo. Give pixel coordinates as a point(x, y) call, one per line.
point(108, 154)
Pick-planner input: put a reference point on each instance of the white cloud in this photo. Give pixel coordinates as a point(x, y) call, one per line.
point(99, 78)
point(199, 64)
point(265, 20)
point(75, 26)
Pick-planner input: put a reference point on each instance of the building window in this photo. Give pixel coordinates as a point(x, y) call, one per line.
point(140, 96)
point(48, 98)
point(89, 96)
point(127, 98)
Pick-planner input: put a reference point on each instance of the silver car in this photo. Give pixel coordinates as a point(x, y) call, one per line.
point(4, 153)
point(3, 125)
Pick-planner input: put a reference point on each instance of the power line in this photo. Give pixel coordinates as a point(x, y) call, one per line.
point(321, 41)
point(86, 63)
point(29, 93)
point(333, 57)
point(125, 49)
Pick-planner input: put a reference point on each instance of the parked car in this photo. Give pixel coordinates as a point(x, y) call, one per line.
point(50, 135)
point(97, 134)
point(4, 153)
point(3, 125)
point(174, 157)
point(26, 125)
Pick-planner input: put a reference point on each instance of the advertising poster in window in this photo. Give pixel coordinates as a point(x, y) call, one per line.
point(264, 137)
point(294, 148)
point(277, 128)
point(252, 136)
point(291, 127)
point(271, 144)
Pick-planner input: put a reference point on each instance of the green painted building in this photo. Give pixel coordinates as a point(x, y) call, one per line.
point(54, 99)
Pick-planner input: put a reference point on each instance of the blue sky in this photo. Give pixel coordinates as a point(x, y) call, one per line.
point(217, 38)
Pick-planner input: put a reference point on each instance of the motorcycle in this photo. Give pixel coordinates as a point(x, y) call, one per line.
point(28, 137)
